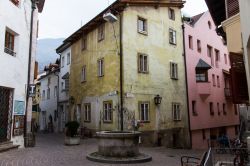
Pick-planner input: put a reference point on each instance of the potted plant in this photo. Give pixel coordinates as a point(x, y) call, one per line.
point(72, 136)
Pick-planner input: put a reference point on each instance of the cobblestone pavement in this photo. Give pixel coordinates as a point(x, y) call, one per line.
point(50, 151)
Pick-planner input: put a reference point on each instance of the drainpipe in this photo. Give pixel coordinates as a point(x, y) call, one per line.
point(33, 7)
point(121, 71)
point(185, 64)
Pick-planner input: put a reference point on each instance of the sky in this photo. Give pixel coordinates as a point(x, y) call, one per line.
point(61, 18)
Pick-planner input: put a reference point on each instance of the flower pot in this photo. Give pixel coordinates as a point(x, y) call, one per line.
point(72, 140)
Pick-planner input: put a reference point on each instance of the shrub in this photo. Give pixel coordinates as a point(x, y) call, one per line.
point(71, 128)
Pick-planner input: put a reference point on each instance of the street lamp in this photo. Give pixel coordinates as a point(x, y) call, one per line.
point(157, 99)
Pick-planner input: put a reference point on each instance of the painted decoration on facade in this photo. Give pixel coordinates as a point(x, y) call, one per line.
point(19, 108)
point(18, 125)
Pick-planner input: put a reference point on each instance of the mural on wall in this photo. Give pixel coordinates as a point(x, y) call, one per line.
point(19, 108)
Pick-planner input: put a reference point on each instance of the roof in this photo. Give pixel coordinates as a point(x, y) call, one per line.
point(195, 18)
point(117, 7)
point(203, 65)
point(217, 10)
point(40, 5)
point(65, 76)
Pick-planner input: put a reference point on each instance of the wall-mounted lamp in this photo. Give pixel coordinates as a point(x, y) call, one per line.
point(109, 17)
point(157, 99)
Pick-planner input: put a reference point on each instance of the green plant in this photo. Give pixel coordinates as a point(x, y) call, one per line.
point(71, 128)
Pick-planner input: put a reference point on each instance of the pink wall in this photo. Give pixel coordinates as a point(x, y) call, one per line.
point(204, 120)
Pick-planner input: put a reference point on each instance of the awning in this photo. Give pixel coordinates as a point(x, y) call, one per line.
point(66, 76)
point(203, 65)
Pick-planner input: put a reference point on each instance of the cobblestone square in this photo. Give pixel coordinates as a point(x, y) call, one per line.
point(50, 151)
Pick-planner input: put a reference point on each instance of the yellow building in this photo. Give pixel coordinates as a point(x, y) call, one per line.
point(147, 41)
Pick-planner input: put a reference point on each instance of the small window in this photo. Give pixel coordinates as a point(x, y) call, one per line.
point(49, 81)
point(201, 75)
point(66, 84)
point(218, 108)
point(210, 54)
point(218, 81)
point(235, 109)
point(87, 112)
point(68, 58)
point(83, 74)
point(142, 63)
point(171, 14)
point(225, 58)
point(107, 111)
point(209, 25)
point(213, 78)
point(15, 2)
point(203, 134)
point(194, 108)
point(9, 43)
point(211, 108)
point(84, 42)
point(224, 109)
point(100, 63)
point(173, 70)
point(101, 30)
point(55, 91)
point(217, 58)
point(190, 42)
point(48, 93)
point(176, 112)
point(63, 60)
point(144, 111)
point(43, 95)
point(142, 25)
point(198, 45)
point(62, 85)
point(172, 36)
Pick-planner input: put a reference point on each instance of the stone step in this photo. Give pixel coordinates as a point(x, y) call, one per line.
point(5, 146)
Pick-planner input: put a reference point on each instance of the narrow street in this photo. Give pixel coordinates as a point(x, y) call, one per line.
point(50, 151)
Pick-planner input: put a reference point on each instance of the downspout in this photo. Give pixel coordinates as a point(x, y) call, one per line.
point(185, 64)
point(33, 7)
point(121, 71)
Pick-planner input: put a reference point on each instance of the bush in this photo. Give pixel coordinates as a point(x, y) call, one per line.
point(71, 128)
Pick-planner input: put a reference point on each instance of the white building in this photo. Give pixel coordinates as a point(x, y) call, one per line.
point(65, 58)
point(49, 98)
point(15, 23)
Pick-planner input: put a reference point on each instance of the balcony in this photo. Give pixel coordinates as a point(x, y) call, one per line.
point(204, 88)
point(227, 92)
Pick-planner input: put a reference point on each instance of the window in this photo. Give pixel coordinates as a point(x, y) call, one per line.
point(198, 45)
point(101, 30)
point(84, 42)
point(87, 113)
point(190, 42)
point(213, 78)
point(194, 108)
point(203, 134)
point(176, 112)
point(172, 36)
point(225, 58)
point(173, 70)
point(43, 95)
point(209, 25)
point(171, 14)
point(142, 25)
point(49, 80)
point(68, 58)
point(9, 43)
point(144, 111)
point(224, 109)
point(66, 84)
point(48, 93)
point(15, 2)
point(235, 109)
point(218, 108)
point(100, 67)
point(217, 58)
point(142, 63)
point(236, 129)
point(83, 74)
point(218, 81)
point(62, 85)
point(63, 60)
point(211, 108)
point(201, 75)
point(107, 111)
point(210, 54)
point(55, 91)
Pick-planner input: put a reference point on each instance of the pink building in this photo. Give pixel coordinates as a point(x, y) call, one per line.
point(211, 110)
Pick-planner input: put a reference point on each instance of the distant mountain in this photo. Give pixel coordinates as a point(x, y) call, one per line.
point(46, 51)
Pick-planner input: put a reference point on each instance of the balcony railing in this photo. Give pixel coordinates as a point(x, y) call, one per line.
point(228, 93)
point(9, 51)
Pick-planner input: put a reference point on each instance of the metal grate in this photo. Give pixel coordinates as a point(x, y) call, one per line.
point(6, 100)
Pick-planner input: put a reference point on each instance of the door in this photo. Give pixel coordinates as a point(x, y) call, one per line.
point(6, 101)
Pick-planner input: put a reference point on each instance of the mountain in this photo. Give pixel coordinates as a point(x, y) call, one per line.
point(46, 51)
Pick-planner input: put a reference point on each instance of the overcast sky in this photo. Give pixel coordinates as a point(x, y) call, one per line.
point(61, 18)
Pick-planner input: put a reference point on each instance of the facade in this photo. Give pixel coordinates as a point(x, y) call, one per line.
point(63, 113)
point(148, 37)
point(14, 49)
point(48, 118)
point(212, 112)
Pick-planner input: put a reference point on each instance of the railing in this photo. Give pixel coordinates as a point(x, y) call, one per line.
point(9, 51)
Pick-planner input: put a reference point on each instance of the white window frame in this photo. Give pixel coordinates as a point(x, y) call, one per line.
point(172, 36)
point(176, 111)
point(87, 112)
point(63, 61)
point(100, 64)
point(68, 58)
point(107, 111)
point(143, 63)
point(173, 70)
point(171, 14)
point(142, 26)
point(144, 108)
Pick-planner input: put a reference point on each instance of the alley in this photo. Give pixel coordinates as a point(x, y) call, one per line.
point(50, 151)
